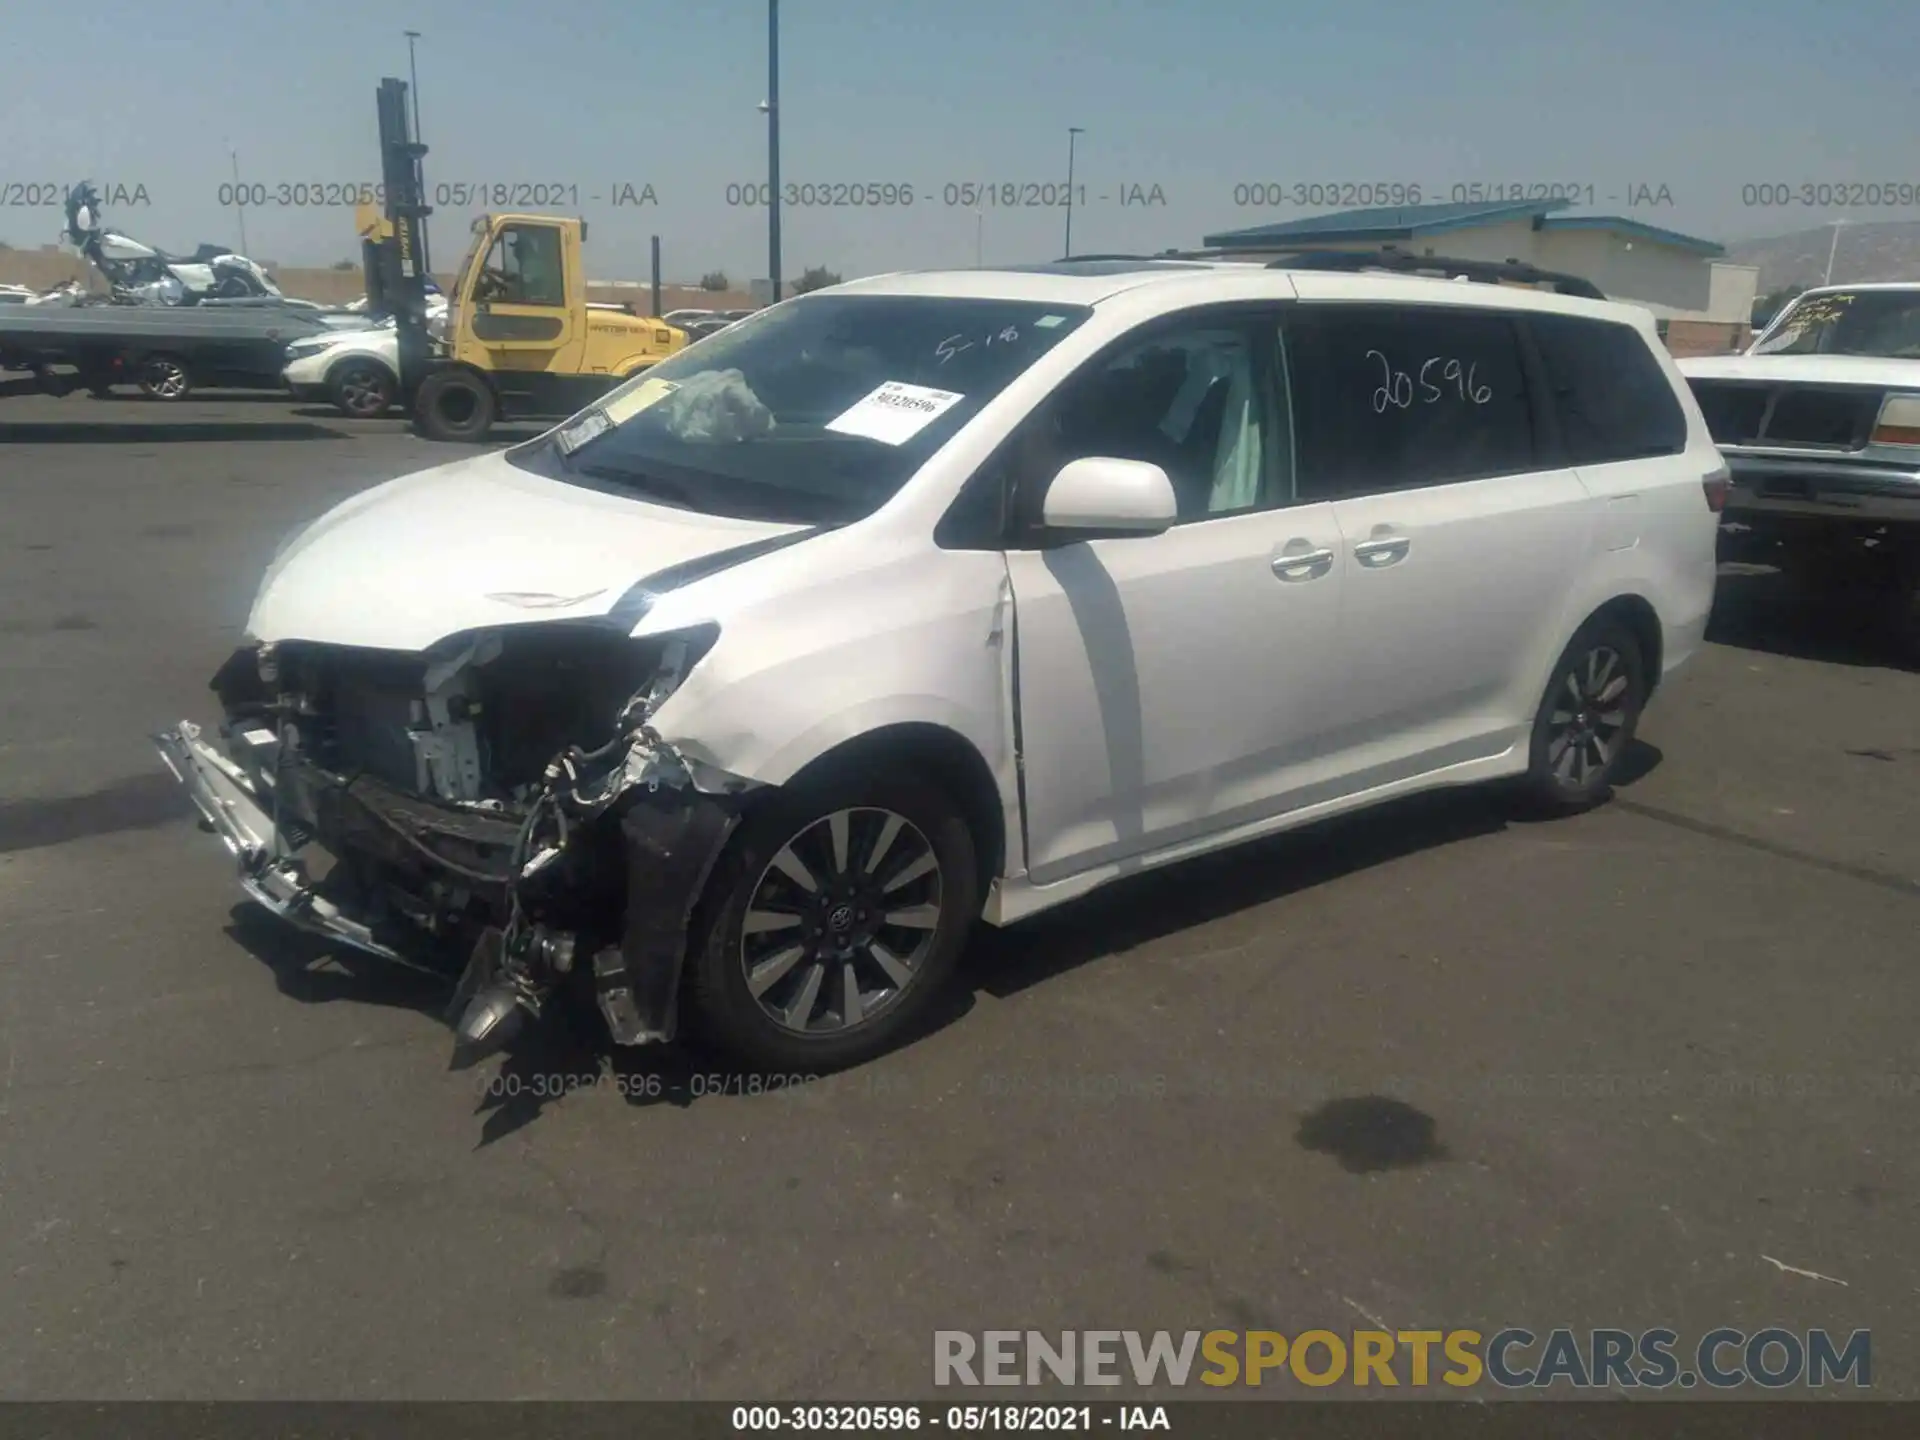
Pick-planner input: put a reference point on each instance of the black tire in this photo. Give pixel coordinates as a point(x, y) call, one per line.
point(723, 1008)
point(165, 377)
point(363, 389)
point(1585, 726)
point(456, 406)
point(234, 287)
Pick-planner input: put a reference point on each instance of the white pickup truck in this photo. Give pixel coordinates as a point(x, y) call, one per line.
point(1820, 423)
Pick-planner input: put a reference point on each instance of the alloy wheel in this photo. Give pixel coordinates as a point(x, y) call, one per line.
point(1589, 716)
point(166, 379)
point(363, 391)
point(840, 920)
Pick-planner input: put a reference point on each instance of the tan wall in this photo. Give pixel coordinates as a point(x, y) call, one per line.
point(1707, 337)
point(42, 269)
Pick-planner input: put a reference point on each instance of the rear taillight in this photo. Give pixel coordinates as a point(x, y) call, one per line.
point(1899, 422)
point(1716, 486)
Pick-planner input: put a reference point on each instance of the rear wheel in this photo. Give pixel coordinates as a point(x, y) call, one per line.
point(1587, 719)
point(165, 377)
point(363, 389)
point(833, 922)
point(454, 405)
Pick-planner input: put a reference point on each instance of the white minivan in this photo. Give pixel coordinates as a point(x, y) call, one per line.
point(938, 598)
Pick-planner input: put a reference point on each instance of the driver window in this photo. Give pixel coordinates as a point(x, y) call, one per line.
point(1200, 401)
point(523, 268)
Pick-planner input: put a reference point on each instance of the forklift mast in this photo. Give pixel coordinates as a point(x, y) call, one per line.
point(396, 252)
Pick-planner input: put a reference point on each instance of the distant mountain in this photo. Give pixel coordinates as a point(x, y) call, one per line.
point(1870, 250)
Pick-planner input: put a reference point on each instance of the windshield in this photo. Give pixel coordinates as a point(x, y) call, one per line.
point(1849, 322)
point(818, 410)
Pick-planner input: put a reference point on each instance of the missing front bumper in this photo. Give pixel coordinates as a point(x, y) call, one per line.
point(223, 794)
point(672, 836)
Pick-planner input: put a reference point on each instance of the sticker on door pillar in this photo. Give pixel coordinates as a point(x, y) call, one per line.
point(894, 413)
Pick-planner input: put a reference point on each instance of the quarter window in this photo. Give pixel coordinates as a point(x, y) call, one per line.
point(1612, 398)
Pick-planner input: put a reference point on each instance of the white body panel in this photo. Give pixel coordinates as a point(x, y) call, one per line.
point(381, 345)
point(1870, 371)
point(426, 556)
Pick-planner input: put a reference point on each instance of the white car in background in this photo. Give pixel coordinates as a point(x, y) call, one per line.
point(356, 370)
point(935, 599)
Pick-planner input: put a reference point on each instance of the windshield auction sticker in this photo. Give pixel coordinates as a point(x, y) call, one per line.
point(895, 413)
point(621, 408)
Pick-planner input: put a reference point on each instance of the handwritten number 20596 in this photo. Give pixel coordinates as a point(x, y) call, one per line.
point(1396, 387)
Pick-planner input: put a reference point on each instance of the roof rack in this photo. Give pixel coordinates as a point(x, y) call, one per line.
point(1160, 255)
point(1488, 272)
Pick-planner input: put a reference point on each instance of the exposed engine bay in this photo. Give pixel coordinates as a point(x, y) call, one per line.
point(501, 795)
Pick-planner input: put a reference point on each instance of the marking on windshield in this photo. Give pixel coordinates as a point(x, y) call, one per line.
point(954, 344)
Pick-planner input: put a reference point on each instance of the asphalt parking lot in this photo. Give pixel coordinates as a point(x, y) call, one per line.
point(1431, 1068)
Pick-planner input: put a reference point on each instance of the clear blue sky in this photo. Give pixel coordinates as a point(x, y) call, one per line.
point(1194, 96)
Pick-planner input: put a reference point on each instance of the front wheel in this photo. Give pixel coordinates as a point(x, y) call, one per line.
point(833, 922)
point(1587, 719)
point(363, 389)
point(454, 405)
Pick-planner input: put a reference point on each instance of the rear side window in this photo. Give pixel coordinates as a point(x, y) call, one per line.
point(1612, 397)
point(1389, 398)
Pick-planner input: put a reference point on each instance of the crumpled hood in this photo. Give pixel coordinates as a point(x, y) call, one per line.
point(1876, 371)
point(472, 544)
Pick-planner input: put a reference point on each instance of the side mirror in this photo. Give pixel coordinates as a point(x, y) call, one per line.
point(1104, 494)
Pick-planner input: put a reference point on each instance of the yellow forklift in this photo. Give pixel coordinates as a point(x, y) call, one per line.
point(521, 341)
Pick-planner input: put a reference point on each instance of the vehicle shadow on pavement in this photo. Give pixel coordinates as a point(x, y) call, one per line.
point(317, 971)
point(139, 432)
point(569, 1051)
point(1196, 892)
point(211, 395)
point(1755, 607)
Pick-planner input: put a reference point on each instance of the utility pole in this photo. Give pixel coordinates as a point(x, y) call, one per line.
point(772, 107)
point(1074, 132)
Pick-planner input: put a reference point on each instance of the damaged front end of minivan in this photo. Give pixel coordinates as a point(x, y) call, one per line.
point(501, 797)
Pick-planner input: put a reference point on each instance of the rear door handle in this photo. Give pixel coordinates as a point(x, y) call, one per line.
point(1379, 553)
point(1292, 565)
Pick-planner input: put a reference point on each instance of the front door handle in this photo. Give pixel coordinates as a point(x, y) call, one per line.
point(1379, 553)
point(1294, 565)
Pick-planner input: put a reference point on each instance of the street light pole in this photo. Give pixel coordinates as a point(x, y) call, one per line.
point(413, 75)
point(1073, 133)
point(239, 198)
point(1832, 249)
point(773, 147)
